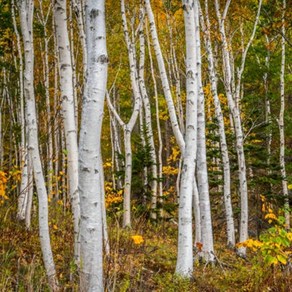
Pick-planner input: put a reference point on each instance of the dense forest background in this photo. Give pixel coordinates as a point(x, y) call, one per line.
point(141, 238)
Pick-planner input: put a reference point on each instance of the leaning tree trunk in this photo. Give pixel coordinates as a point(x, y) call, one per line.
point(164, 79)
point(68, 111)
point(184, 265)
point(91, 278)
point(26, 17)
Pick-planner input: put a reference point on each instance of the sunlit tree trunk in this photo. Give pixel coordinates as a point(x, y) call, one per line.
point(26, 16)
point(23, 193)
point(281, 120)
point(160, 144)
point(202, 169)
point(268, 117)
point(68, 112)
point(148, 121)
point(164, 78)
point(43, 18)
point(184, 265)
point(128, 128)
point(238, 129)
point(91, 278)
point(221, 130)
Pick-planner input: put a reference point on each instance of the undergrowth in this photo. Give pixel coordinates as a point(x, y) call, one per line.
point(141, 259)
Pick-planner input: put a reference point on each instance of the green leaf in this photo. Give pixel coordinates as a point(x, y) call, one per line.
point(270, 260)
point(282, 259)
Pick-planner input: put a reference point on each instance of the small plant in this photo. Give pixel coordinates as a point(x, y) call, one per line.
point(274, 245)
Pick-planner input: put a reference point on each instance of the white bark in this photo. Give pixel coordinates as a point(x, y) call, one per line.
point(197, 213)
point(184, 265)
point(221, 130)
point(23, 193)
point(44, 20)
point(128, 127)
point(26, 17)
point(68, 112)
point(281, 121)
point(164, 79)
point(227, 70)
point(148, 121)
point(202, 169)
point(268, 117)
point(160, 144)
point(91, 278)
point(29, 196)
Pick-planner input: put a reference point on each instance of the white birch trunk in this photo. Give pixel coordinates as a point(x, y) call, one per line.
point(91, 278)
point(281, 121)
point(202, 169)
point(268, 117)
point(44, 20)
point(148, 121)
point(29, 195)
point(163, 75)
point(160, 144)
point(221, 130)
point(184, 265)
point(227, 70)
point(128, 128)
point(26, 17)
point(68, 112)
point(23, 193)
point(197, 214)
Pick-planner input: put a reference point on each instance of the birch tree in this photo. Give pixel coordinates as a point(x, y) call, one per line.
point(68, 112)
point(202, 170)
point(232, 90)
point(128, 127)
point(26, 9)
point(148, 120)
point(281, 119)
point(91, 278)
point(23, 193)
point(184, 265)
point(220, 119)
point(164, 79)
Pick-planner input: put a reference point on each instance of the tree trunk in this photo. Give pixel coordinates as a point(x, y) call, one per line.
point(221, 130)
point(164, 79)
point(227, 69)
point(91, 278)
point(68, 111)
point(202, 169)
point(184, 265)
point(148, 121)
point(160, 144)
point(26, 17)
point(281, 121)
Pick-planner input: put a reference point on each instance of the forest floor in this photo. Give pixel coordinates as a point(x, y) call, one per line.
point(141, 259)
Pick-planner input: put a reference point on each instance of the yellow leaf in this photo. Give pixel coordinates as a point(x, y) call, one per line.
point(282, 259)
point(138, 239)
